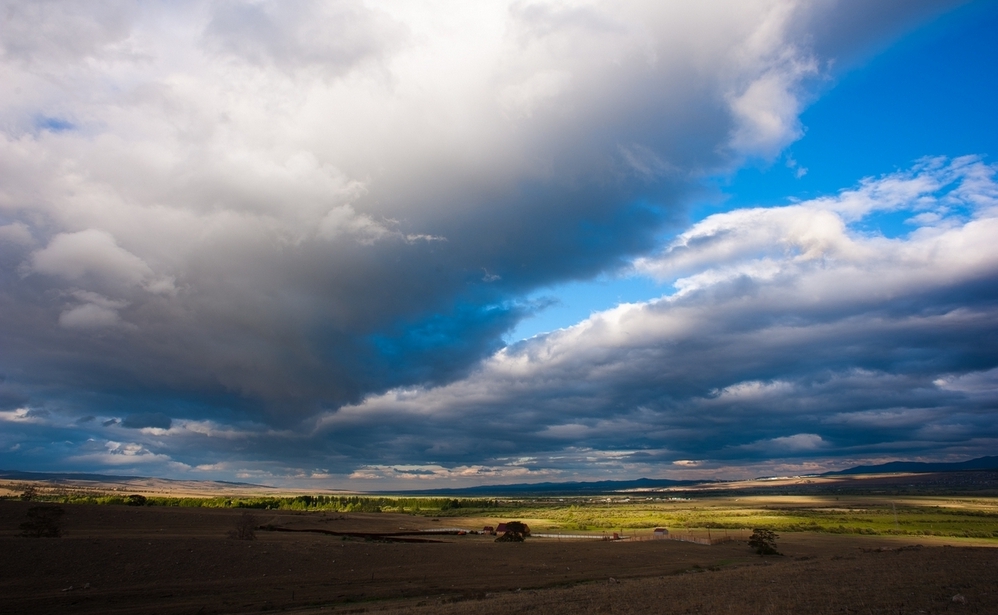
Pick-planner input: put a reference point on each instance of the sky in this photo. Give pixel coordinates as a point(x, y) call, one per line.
point(401, 245)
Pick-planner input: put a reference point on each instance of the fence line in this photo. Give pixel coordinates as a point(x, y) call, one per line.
point(575, 536)
point(633, 537)
point(700, 540)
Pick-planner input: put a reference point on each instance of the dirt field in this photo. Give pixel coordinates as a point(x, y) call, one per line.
point(119, 559)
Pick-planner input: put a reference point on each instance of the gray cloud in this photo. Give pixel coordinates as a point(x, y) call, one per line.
point(62, 31)
point(145, 420)
point(331, 36)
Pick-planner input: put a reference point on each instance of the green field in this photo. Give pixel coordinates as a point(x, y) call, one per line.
point(964, 517)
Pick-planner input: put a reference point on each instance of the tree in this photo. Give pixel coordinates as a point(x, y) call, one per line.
point(136, 500)
point(763, 541)
point(245, 528)
point(515, 532)
point(29, 493)
point(43, 522)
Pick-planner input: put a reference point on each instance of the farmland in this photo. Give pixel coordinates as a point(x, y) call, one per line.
point(853, 551)
point(173, 559)
point(855, 508)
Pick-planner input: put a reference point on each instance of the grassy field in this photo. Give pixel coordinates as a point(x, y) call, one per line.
point(972, 517)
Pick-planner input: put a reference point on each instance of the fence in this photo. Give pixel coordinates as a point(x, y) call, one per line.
point(689, 537)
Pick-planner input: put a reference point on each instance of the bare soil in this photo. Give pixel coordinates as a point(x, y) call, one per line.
point(120, 559)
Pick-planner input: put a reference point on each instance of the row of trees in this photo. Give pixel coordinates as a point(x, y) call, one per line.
point(334, 503)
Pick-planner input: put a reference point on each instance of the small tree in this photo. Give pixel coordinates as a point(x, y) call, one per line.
point(763, 541)
point(29, 493)
point(136, 500)
point(245, 528)
point(43, 522)
point(515, 532)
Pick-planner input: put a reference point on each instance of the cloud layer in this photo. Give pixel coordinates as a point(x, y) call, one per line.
point(266, 220)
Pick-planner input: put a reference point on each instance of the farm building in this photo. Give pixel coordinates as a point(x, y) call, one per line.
point(660, 532)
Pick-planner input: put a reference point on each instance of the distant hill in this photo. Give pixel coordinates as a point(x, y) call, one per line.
point(567, 488)
point(65, 477)
point(981, 463)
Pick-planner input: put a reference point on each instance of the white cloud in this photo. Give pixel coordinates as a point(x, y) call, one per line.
point(74, 255)
point(765, 243)
point(294, 34)
point(37, 32)
point(801, 442)
point(89, 316)
point(983, 383)
point(120, 455)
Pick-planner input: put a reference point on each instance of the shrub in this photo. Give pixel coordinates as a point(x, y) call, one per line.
point(515, 532)
point(136, 500)
point(763, 541)
point(245, 528)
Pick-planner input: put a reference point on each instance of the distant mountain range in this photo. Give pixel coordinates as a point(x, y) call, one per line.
point(62, 477)
point(981, 463)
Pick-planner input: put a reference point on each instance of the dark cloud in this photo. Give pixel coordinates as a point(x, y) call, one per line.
point(142, 421)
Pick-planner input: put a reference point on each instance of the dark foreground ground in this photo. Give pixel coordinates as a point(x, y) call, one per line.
point(116, 559)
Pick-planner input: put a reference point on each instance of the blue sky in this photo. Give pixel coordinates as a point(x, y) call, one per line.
point(502, 242)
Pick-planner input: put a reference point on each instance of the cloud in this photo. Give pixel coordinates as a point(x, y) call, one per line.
point(63, 31)
point(146, 420)
point(294, 35)
point(284, 214)
point(16, 233)
point(90, 252)
point(797, 443)
point(89, 316)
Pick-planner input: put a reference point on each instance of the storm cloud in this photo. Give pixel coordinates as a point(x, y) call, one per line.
point(302, 229)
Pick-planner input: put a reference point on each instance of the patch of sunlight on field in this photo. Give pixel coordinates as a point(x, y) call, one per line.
point(953, 517)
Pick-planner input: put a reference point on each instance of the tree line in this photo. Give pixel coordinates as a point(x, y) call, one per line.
point(332, 503)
